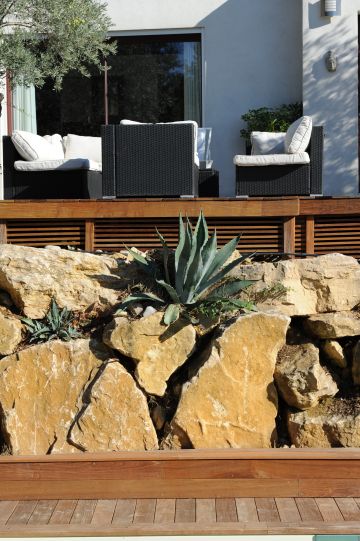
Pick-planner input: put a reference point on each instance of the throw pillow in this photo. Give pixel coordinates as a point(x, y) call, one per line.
point(34, 147)
point(263, 142)
point(82, 146)
point(298, 135)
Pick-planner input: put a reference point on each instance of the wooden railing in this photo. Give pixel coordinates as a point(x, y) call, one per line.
point(289, 224)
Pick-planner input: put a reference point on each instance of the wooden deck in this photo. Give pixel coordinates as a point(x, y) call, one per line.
point(261, 516)
point(289, 224)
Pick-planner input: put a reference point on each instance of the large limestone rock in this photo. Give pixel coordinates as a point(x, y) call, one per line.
point(335, 353)
point(10, 332)
point(335, 325)
point(232, 401)
point(33, 276)
point(117, 417)
point(356, 364)
point(156, 352)
point(300, 378)
point(314, 285)
point(333, 423)
point(41, 390)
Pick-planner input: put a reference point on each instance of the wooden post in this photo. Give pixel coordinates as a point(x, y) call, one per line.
point(310, 234)
point(3, 232)
point(89, 235)
point(289, 235)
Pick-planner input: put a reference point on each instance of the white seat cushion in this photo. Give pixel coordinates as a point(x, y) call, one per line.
point(34, 147)
point(81, 146)
point(272, 159)
point(298, 135)
point(60, 165)
point(264, 142)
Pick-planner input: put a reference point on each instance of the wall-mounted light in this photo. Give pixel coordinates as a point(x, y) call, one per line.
point(331, 61)
point(331, 8)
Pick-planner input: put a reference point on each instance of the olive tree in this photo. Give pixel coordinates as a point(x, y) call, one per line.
point(42, 39)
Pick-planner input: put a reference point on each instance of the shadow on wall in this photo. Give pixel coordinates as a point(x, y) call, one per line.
point(331, 98)
point(253, 58)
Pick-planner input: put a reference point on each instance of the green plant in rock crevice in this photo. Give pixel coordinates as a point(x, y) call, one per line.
point(197, 277)
point(56, 324)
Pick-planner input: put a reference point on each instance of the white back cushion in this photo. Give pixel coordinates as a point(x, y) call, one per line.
point(34, 147)
point(57, 141)
point(263, 142)
point(298, 135)
point(81, 146)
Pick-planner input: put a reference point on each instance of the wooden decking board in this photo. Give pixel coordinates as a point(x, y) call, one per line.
point(201, 517)
point(226, 510)
point(83, 512)
point(42, 512)
point(205, 510)
point(329, 510)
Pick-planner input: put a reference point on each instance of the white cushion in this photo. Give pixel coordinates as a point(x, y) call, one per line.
point(33, 147)
point(298, 135)
point(126, 122)
point(264, 142)
point(271, 159)
point(81, 146)
point(57, 141)
point(60, 165)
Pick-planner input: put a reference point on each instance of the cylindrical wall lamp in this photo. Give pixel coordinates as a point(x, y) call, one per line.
point(330, 8)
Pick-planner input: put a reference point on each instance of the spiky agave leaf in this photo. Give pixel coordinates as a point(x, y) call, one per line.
point(166, 252)
point(148, 266)
point(228, 289)
point(171, 314)
point(182, 255)
point(138, 297)
point(170, 291)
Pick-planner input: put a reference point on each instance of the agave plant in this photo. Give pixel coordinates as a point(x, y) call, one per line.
point(56, 324)
point(197, 273)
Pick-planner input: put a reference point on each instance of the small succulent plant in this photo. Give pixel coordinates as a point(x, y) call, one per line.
point(196, 275)
point(57, 324)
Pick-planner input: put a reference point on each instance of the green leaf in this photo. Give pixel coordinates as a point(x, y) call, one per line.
point(221, 257)
point(165, 254)
point(171, 314)
point(170, 290)
point(230, 288)
point(183, 258)
point(138, 297)
point(221, 275)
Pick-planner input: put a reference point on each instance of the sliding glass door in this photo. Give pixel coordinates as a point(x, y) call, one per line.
point(154, 78)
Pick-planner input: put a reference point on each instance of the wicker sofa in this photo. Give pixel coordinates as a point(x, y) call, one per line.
point(53, 184)
point(149, 160)
point(289, 179)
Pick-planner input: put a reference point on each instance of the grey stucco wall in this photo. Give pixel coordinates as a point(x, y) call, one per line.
point(252, 51)
point(331, 98)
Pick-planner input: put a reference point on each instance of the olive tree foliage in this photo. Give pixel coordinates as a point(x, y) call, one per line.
point(48, 38)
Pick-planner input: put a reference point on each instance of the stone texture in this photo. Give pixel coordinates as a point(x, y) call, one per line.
point(334, 325)
point(10, 332)
point(333, 423)
point(300, 378)
point(33, 276)
point(156, 351)
point(41, 391)
point(117, 417)
point(315, 285)
point(356, 364)
point(232, 401)
point(335, 353)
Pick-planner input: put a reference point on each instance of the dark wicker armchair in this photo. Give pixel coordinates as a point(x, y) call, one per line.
point(149, 160)
point(277, 180)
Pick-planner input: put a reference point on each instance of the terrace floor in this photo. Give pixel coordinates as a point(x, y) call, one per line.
point(226, 516)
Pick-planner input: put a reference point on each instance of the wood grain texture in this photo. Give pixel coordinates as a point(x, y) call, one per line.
point(205, 510)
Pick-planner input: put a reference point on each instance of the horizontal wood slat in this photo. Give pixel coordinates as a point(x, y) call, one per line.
point(303, 225)
point(183, 474)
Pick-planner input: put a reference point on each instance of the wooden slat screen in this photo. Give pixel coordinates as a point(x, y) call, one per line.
point(39, 233)
point(261, 234)
point(337, 234)
point(300, 235)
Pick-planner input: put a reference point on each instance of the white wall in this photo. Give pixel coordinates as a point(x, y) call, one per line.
point(331, 98)
point(253, 57)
